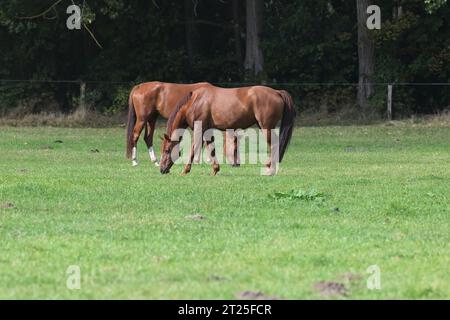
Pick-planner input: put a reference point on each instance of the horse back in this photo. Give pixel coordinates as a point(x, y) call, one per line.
point(231, 108)
point(172, 93)
point(161, 97)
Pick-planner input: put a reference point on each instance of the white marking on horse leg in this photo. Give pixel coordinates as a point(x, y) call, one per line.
point(151, 152)
point(134, 156)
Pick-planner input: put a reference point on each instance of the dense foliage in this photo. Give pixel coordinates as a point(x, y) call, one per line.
point(308, 41)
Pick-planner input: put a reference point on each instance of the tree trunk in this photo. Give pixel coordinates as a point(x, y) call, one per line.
point(189, 29)
point(366, 57)
point(397, 12)
point(237, 31)
point(254, 61)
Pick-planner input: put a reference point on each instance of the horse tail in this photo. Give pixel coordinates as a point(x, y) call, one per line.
point(131, 123)
point(287, 122)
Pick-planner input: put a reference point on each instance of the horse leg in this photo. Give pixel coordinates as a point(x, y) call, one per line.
point(211, 149)
point(270, 169)
point(188, 166)
point(208, 158)
point(136, 133)
point(236, 155)
point(228, 142)
point(225, 148)
point(149, 131)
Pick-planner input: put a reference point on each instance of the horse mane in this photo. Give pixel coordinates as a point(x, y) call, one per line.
point(174, 113)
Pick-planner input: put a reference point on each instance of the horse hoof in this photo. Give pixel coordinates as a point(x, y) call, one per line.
point(134, 163)
point(269, 172)
point(156, 164)
point(236, 165)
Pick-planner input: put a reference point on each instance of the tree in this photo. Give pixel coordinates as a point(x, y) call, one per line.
point(190, 29)
point(237, 31)
point(254, 61)
point(433, 5)
point(192, 40)
point(366, 57)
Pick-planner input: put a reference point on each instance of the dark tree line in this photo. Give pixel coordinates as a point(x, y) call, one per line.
point(227, 42)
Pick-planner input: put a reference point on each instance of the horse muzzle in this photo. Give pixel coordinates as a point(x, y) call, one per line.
point(165, 170)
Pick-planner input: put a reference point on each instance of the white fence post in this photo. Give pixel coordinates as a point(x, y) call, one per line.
point(389, 103)
point(82, 103)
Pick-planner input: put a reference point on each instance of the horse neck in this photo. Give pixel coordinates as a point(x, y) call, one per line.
point(179, 122)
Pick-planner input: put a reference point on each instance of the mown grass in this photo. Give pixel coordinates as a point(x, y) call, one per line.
point(385, 202)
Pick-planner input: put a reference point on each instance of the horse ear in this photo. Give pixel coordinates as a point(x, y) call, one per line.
point(166, 137)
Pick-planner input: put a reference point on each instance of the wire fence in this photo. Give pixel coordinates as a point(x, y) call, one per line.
point(237, 84)
point(395, 99)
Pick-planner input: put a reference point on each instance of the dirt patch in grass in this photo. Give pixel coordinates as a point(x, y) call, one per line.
point(351, 277)
point(330, 288)
point(196, 217)
point(215, 277)
point(7, 205)
point(255, 295)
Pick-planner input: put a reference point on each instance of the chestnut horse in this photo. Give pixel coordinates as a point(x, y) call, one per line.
point(146, 102)
point(237, 108)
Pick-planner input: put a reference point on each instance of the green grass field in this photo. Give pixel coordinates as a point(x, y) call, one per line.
point(386, 202)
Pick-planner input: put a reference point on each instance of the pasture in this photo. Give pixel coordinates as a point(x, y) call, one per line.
point(346, 198)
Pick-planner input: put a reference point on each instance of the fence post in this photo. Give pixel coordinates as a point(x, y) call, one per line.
point(82, 103)
point(389, 103)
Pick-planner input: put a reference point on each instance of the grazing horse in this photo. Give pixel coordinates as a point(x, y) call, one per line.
point(237, 108)
point(146, 102)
